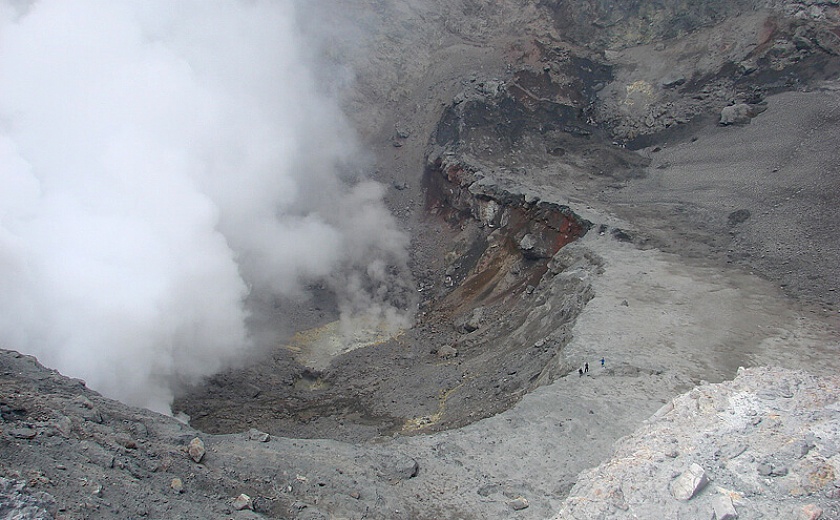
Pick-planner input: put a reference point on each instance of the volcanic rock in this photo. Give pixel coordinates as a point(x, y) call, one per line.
point(518, 503)
point(739, 217)
point(397, 467)
point(446, 352)
point(258, 436)
point(470, 322)
point(748, 424)
point(689, 483)
point(533, 248)
point(17, 502)
point(739, 113)
point(23, 433)
point(243, 501)
point(724, 509)
point(196, 449)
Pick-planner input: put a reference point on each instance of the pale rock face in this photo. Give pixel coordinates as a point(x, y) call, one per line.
point(177, 485)
point(258, 436)
point(489, 212)
point(196, 449)
point(243, 501)
point(738, 114)
point(770, 435)
point(691, 482)
point(724, 509)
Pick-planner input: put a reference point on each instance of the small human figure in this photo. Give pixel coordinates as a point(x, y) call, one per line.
point(580, 372)
point(586, 367)
point(602, 362)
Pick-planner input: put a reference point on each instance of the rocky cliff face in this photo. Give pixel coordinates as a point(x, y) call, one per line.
point(766, 445)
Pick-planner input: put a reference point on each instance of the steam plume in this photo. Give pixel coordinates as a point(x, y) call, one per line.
point(157, 159)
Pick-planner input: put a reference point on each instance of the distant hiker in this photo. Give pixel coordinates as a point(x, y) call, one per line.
point(586, 367)
point(580, 372)
point(602, 362)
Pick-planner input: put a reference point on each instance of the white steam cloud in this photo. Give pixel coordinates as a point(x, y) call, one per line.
point(157, 160)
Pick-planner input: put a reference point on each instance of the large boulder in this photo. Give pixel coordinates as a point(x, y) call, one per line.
point(689, 483)
point(470, 322)
point(740, 113)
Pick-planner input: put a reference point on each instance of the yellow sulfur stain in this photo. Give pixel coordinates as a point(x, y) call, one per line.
point(636, 90)
point(419, 423)
point(316, 347)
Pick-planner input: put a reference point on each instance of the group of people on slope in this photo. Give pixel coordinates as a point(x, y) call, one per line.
point(585, 368)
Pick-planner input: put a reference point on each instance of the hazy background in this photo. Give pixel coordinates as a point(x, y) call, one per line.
point(158, 161)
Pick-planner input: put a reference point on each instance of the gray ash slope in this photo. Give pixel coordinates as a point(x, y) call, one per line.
point(696, 248)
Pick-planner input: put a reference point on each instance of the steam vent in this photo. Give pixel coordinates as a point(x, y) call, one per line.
point(420, 260)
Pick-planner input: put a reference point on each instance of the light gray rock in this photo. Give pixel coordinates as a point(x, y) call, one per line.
point(519, 503)
point(689, 483)
point(713, 427)
point(243, 501)
point(446, 352)
point(489, 212)
point(738, 114)
point(258, 436)
point(23, 433)
point(401, 131)
point(533, 247)
point(395, 466)
point(724, 508)
point(803, 447)
point(731, 451)
point(470, 322)
point(196, 449)
point(17, 503)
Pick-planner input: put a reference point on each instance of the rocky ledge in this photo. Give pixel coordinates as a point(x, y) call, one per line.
point(765, 445)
